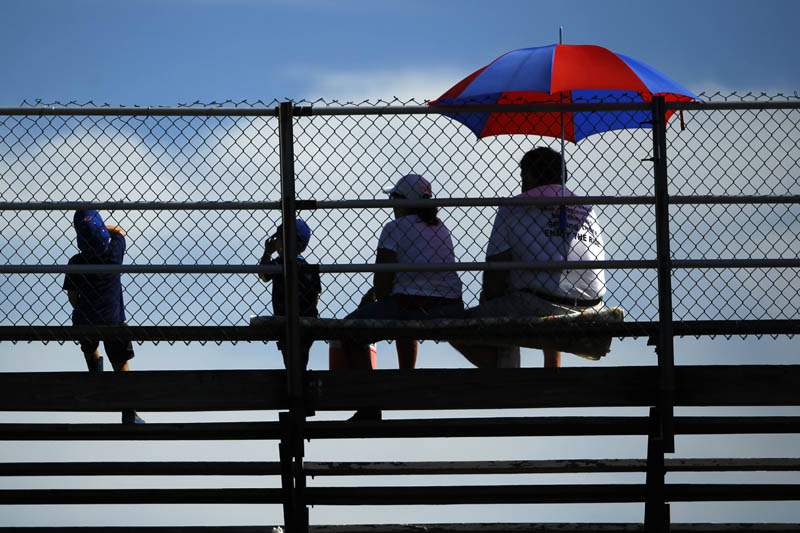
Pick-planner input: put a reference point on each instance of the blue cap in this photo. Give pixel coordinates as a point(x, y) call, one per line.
point(93, 237)
point(303, 234)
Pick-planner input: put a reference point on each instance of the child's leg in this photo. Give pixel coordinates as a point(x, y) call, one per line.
point(357, 355)
point(119, 353)
point(305, 347)
point(407, 350)
point(92, 355)
point(552, 358)
point(306, 350)
point(124, 367)
point(479, 355)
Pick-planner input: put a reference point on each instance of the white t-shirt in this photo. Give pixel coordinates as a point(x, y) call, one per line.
point(414, 241)
point(534, 233)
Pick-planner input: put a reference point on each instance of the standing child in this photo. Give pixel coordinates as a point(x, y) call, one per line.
point(308, 283)
point(97, 298)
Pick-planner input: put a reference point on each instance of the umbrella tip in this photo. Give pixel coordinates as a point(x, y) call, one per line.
point(561, 35)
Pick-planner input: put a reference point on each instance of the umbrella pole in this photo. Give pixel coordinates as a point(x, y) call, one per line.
point(562, 214)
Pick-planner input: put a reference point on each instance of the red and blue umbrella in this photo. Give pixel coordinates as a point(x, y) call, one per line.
point(559, 73)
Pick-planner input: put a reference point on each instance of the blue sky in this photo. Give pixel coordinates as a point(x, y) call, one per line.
point(169, 51)
point(174, 51)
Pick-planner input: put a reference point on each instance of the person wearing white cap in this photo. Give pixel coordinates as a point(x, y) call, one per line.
point(416, 235)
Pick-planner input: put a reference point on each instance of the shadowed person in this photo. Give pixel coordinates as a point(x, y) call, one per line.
point(97, 298)
point(529, 234)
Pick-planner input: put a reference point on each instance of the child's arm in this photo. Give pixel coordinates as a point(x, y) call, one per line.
point(116, 229)
point(269, 249)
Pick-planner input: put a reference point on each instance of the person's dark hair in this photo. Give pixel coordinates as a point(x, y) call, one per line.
point(429, 215)
point(543, 165)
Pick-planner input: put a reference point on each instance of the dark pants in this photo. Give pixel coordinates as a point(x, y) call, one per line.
point(397, 307)
point(305, 347)
point(118, 351)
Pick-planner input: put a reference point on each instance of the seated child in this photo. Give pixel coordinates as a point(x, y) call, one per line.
point(308, 282)
point(97, 298)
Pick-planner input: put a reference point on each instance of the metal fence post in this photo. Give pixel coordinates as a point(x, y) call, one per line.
point(664, 344)
point(287, 479)
point(289, 217)
point(295, 360)
point(656, 510)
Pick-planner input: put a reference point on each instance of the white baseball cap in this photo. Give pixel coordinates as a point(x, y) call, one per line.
point(411, 187)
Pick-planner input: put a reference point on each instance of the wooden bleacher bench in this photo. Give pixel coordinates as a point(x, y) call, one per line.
point(567, 333)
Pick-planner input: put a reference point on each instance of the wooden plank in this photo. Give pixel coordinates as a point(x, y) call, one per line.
point(187, 390)
point(247, 468)
point(730, 385)
point(737, 385)
point(552, 527)
point(139, 496)
point(742, 425)
point(410, 428)
point(471, 467)
point(481, 427)
point(485, 494)
point(398, 389)
point(158, 468)
point(426, 495)
point(786, 464)
point(145, 529)
point(559, 466)
point(498, 388)
point(420, 495)
point(750, 492)
point(149, 431)
point(335, 495)
point(555, 527)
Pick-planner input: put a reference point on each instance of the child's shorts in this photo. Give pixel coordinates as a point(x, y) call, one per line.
point(118, 351)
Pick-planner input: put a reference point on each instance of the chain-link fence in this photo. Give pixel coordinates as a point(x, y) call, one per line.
point(204, 189)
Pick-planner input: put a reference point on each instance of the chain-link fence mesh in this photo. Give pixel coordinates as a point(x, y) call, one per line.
point(146, 158)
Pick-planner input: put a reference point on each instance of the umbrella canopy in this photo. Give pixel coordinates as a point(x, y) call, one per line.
point(559, 73)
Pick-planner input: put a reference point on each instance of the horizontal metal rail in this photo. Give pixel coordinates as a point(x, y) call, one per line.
point(733, 106)
point(474, 202)
point(140, 269)
point(140, 111)
point(409, 428)
point(546, 201)
point(734, 263)
point(486, 266)
point(390, 203)
point(140, 206)
point(311, 110)
point(540, 107)
point(273, 331)
point(549, 107)
point(734, 200)
point(616, 264)
point(396, 468)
